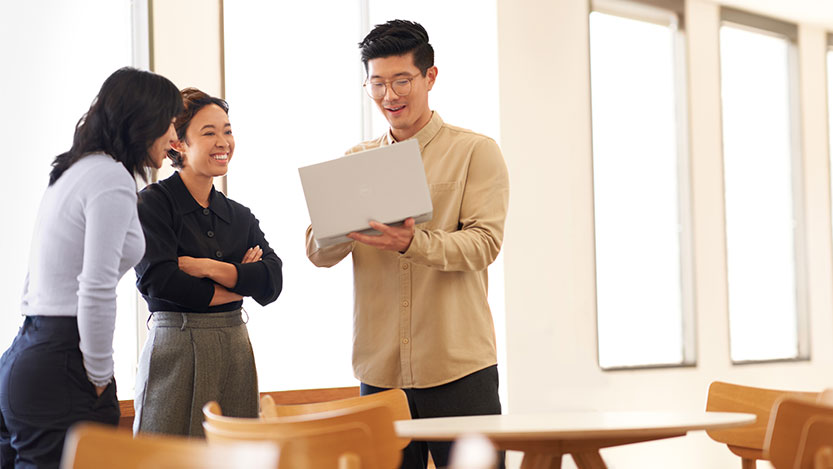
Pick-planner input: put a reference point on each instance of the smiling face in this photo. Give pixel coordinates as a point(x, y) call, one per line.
point(405, 114)
point(158, 150)
point(208, 144)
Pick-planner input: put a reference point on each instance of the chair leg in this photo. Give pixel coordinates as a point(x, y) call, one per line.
point(747, 463)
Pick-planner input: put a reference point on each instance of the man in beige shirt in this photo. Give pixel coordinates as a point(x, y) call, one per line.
point(421, 319)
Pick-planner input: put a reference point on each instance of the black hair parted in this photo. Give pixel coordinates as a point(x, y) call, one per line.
point(398, 37)
point(132, 110)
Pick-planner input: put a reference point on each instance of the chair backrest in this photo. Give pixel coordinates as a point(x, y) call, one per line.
point(306, 396)
point(747, 441)
point(394, 399)
point(295, 396)
point(826, 397)
point(335, 446)
point(376, 419)
point(798, 429)
point(817, 443)
point(94, 446)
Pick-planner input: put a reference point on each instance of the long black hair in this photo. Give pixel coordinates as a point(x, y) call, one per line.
point(132, 110)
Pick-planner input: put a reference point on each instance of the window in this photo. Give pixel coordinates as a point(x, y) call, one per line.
point(466, 91)
point(465, 94)
point(60, 69)
point(294, 103)
point(300, 102)
point(762, 187)
point(643, 273)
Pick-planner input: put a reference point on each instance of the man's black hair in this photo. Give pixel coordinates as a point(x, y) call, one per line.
point(398, 37)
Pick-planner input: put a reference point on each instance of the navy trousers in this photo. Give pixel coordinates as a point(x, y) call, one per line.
point(474, 394)
point(44, 390)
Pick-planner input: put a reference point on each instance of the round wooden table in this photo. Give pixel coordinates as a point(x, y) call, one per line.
point(545, 437)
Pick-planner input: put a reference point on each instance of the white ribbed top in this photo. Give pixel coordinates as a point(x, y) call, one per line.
point(87, 235)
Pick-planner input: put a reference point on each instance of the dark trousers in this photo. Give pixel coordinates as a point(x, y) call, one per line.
point(44, 390)
point(474, 394)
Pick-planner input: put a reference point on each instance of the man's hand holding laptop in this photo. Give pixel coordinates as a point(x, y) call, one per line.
point(392, 238)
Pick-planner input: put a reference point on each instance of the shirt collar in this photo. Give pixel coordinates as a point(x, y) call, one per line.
point(425, 134)
point(186, 203)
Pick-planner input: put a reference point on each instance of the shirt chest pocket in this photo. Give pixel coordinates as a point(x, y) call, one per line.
point(446, 198)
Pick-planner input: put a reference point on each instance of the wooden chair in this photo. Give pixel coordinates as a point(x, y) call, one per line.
point(800, 431)
point(825, 397)
point(348, 446)
point(393, 399)
point(375, 419)
point(307, 396)
point(95, 446)
point(295, 396)
point(747, 441)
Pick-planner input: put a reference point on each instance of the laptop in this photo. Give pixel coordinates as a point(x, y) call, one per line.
point(385, 184)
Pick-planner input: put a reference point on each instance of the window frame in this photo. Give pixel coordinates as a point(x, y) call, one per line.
point(761, 24)
point(671, 14)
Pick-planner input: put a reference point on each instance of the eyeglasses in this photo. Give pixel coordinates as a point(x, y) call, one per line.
point(378, 89)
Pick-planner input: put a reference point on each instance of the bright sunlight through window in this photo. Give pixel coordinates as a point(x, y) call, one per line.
point(760, 220)
point(636, 173)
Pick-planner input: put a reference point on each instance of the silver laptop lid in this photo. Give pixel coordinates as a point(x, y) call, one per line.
point(385, 184)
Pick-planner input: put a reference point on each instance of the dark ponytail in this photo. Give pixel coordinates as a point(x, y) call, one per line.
point(132, 109)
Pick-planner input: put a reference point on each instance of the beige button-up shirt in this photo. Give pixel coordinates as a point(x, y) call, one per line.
point(421, 319)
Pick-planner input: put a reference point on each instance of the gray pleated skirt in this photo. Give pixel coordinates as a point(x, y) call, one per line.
point(188, 360)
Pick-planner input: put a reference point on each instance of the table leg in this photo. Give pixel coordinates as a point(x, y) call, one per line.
point(541, 461)
point(589, 460)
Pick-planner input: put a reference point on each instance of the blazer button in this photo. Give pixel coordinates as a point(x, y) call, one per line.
point(219, 254)
point(210, 234)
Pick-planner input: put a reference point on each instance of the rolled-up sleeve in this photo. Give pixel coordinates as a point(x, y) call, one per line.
point(328, 256)
point(482, 217)
point(262, 280)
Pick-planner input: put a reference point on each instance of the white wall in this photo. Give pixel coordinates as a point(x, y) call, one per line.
point(187, 43)
point(55, 56)
point(545, 127)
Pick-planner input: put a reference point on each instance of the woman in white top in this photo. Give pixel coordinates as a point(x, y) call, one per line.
point(59, 369)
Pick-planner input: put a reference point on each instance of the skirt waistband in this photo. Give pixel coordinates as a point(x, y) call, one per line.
point(197, 320)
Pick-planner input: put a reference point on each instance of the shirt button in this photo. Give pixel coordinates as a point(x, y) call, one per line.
point(405, 303)
point(206, 211)
point(404, 266)
point(210, 234)
point(405, 341)
point(219, 254)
